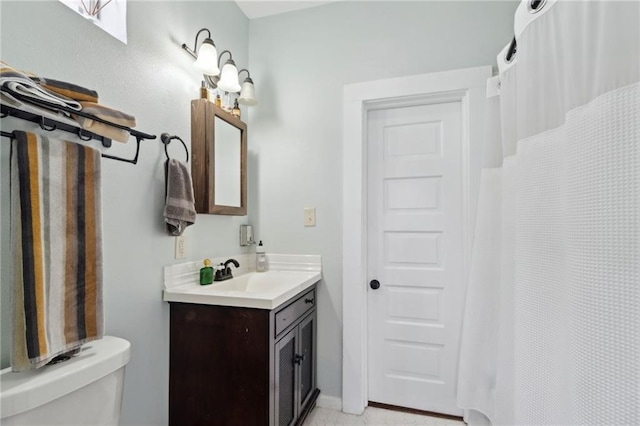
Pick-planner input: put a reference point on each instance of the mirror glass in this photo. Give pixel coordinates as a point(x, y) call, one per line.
point(227, 191)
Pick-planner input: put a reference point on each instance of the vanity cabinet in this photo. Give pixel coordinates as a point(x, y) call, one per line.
point(243, 366)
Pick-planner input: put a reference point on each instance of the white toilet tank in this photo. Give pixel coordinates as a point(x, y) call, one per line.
point(84, 390)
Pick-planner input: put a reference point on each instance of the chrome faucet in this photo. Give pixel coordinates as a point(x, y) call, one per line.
point(223, 271)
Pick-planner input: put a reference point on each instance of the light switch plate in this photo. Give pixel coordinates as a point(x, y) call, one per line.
point(310, 216)
point(181, 247)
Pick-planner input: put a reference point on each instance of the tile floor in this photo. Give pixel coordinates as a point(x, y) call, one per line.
point(374, 416)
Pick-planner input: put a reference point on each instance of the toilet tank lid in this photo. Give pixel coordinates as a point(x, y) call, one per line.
point(26, 390)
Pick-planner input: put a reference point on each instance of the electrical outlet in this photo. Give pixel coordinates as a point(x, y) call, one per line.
point(181, 247)
point(310, 216)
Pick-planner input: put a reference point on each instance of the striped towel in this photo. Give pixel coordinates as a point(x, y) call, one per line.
point(57, 244)
point(19, 83)
point(108, 114)
point(70, 90)
point(7, 99)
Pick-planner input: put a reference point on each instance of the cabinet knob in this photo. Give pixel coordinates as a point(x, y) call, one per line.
point(298, 359)
point(308, 300)
point(374, 284)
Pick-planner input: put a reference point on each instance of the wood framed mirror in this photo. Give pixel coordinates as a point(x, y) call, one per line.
point(219, 160)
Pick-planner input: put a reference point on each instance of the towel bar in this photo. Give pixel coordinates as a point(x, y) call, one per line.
point(166, 139)
point(50, 125)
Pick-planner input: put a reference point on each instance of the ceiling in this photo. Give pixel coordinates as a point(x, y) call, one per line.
point(260, 8)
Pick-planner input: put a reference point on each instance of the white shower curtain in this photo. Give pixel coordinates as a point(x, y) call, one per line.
point(552, 322)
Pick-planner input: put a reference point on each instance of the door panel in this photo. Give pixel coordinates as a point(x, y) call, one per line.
point(307, 372)
point(286, 395)
point(417, 248)
point(415, 251)
point(415, 303)
point(415, 360)
point(415, 332)
point(412, 139)
point(412, 193)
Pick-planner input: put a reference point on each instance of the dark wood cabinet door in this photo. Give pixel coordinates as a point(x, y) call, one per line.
point(286, 396)
point(218, 366)
point(306, 352)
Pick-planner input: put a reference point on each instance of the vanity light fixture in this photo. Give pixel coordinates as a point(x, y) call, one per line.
point(206, 58)
point(208, 62)
point(229, 75)
point(248, 92)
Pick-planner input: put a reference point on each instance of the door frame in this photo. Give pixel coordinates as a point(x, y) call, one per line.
point(465, 85)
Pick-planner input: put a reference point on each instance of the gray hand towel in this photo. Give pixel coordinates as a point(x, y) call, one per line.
point(179, 209)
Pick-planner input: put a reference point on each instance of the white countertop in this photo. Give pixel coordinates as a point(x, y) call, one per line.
point(287, 276)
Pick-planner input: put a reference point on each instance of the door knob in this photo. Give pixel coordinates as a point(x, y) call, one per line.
point(374, 284)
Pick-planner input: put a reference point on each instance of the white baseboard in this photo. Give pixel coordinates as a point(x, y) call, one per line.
point(331, 402)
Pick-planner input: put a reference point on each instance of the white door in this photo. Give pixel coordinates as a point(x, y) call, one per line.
point(415, 253)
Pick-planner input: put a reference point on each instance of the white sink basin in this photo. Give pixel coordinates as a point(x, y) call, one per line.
point(255, 282)
point(266, 290)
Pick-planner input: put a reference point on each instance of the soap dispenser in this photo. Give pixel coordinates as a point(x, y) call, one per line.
point(261, 258)
point(206, 273)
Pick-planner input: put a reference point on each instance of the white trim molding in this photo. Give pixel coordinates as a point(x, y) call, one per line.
point(465, 85)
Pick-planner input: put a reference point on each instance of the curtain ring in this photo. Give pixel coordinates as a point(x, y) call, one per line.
point(83, 136)
point(44, 127)
point(511, 52)
point(535, 6)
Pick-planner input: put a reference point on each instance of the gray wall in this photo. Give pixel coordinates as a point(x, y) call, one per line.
point(152, 78)
point(300, 62)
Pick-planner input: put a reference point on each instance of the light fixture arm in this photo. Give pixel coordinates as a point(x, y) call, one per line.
point(212, 81)
point(195, 43)
point(247, 71)
point(220, 57)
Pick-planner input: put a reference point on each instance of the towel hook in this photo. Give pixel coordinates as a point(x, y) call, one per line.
point(44, 127)
point(7, 134)
point(166, 140)
point(83, 136)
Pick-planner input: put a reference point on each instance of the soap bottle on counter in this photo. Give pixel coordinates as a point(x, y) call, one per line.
point(206, 273)
point(261, 258)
